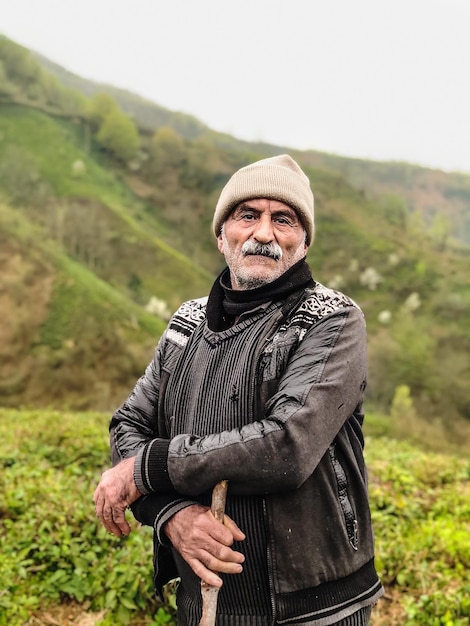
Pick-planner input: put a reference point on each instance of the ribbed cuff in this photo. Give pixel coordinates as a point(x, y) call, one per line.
point(151, 469)
point(165, 514)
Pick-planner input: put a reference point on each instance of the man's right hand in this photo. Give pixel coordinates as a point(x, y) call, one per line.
point(204, 543)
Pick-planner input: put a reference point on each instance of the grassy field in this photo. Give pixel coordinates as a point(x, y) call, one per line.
point(58, 566)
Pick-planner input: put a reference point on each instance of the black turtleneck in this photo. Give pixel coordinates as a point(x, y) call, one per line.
point(225, 304)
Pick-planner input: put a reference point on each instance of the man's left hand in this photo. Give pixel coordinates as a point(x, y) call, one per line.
point(115, 492)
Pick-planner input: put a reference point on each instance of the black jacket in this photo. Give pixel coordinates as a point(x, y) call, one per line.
point(301, 455)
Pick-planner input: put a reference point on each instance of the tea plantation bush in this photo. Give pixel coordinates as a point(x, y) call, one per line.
point(421, 513)
point(51, 544)
point(53, 550)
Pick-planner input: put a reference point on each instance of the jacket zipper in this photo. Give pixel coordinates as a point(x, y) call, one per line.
point(276, 318)
point(257, 355)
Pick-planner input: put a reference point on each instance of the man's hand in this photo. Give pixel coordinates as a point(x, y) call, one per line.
point(203, 542)
point(115, 492)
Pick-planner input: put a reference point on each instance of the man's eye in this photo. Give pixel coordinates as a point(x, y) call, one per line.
point(283, 221)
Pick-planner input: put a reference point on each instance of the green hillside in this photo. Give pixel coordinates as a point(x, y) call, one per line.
point(148, 114)
point(90, 210)
point(59, 566)
point(68, 338)
point(79, 266)
point(438, 200)
point(83, 187)
point(106, 203)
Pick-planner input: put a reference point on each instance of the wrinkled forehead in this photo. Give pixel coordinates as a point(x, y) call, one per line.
point(266, 205)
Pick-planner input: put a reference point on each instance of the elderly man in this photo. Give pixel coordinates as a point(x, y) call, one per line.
point(260, 384)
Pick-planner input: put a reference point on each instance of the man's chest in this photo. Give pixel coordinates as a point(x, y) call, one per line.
point(212, 386)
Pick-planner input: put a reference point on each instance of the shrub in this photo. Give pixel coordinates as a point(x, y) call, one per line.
point(53, 548)
point(54, 551)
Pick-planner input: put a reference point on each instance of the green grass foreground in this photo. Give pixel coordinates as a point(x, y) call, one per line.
point(55, 554)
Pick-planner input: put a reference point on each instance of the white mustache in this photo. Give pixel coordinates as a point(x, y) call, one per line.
point(272, 250)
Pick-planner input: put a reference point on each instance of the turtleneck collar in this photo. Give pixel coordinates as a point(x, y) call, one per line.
point(225, 303)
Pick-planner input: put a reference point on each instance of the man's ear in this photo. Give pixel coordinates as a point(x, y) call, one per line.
point(220, 243)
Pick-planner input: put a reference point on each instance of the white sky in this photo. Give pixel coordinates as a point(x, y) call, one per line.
point(379, 79)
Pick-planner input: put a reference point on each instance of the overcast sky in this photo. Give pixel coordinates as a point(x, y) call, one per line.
point(379, 79)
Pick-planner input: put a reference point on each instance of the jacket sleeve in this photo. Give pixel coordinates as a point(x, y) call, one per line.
point(132, 426)
point(317, 393)
point(135, 422)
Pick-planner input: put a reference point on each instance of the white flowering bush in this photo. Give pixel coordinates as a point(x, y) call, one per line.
point(336, 282)
point(78, 168)
point(385, 317)
point(393, 259)
point(158, 307)
point(353, 265)
point(413, 302)
point(370, 278)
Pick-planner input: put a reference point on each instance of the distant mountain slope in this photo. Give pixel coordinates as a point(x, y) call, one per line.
point(79, 261)
point(430, 193)
point(424, 191)
point(148, 115)
point(67, 338)
point(85, 231)
point(98, 220)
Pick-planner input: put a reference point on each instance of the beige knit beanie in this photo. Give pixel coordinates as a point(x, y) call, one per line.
point(277, 178)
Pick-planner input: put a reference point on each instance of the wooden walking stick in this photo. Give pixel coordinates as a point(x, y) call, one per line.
point(208, 592)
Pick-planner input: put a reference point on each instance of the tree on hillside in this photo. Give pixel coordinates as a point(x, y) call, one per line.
point(405, 355)
point(67, 100)
point(166, 156)
point(85, 233)
point(114, 130)
point(166, 147)
point(19, 64)
point(119, 135)
point(440, 230)
point(22, 77)
point(395, 209)
point(98, 109)
point(202, 167)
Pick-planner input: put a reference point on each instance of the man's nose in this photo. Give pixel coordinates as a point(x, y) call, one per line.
point(264, 231)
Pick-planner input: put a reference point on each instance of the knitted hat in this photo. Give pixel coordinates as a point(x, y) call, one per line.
point(277, 178)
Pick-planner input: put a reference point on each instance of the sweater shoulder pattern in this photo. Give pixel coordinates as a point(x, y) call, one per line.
point(317, 303)
point(185, 321)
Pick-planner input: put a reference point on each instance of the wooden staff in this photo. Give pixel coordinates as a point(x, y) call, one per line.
point(208, 592)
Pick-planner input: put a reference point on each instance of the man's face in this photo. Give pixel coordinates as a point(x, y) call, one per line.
point(261, 239)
